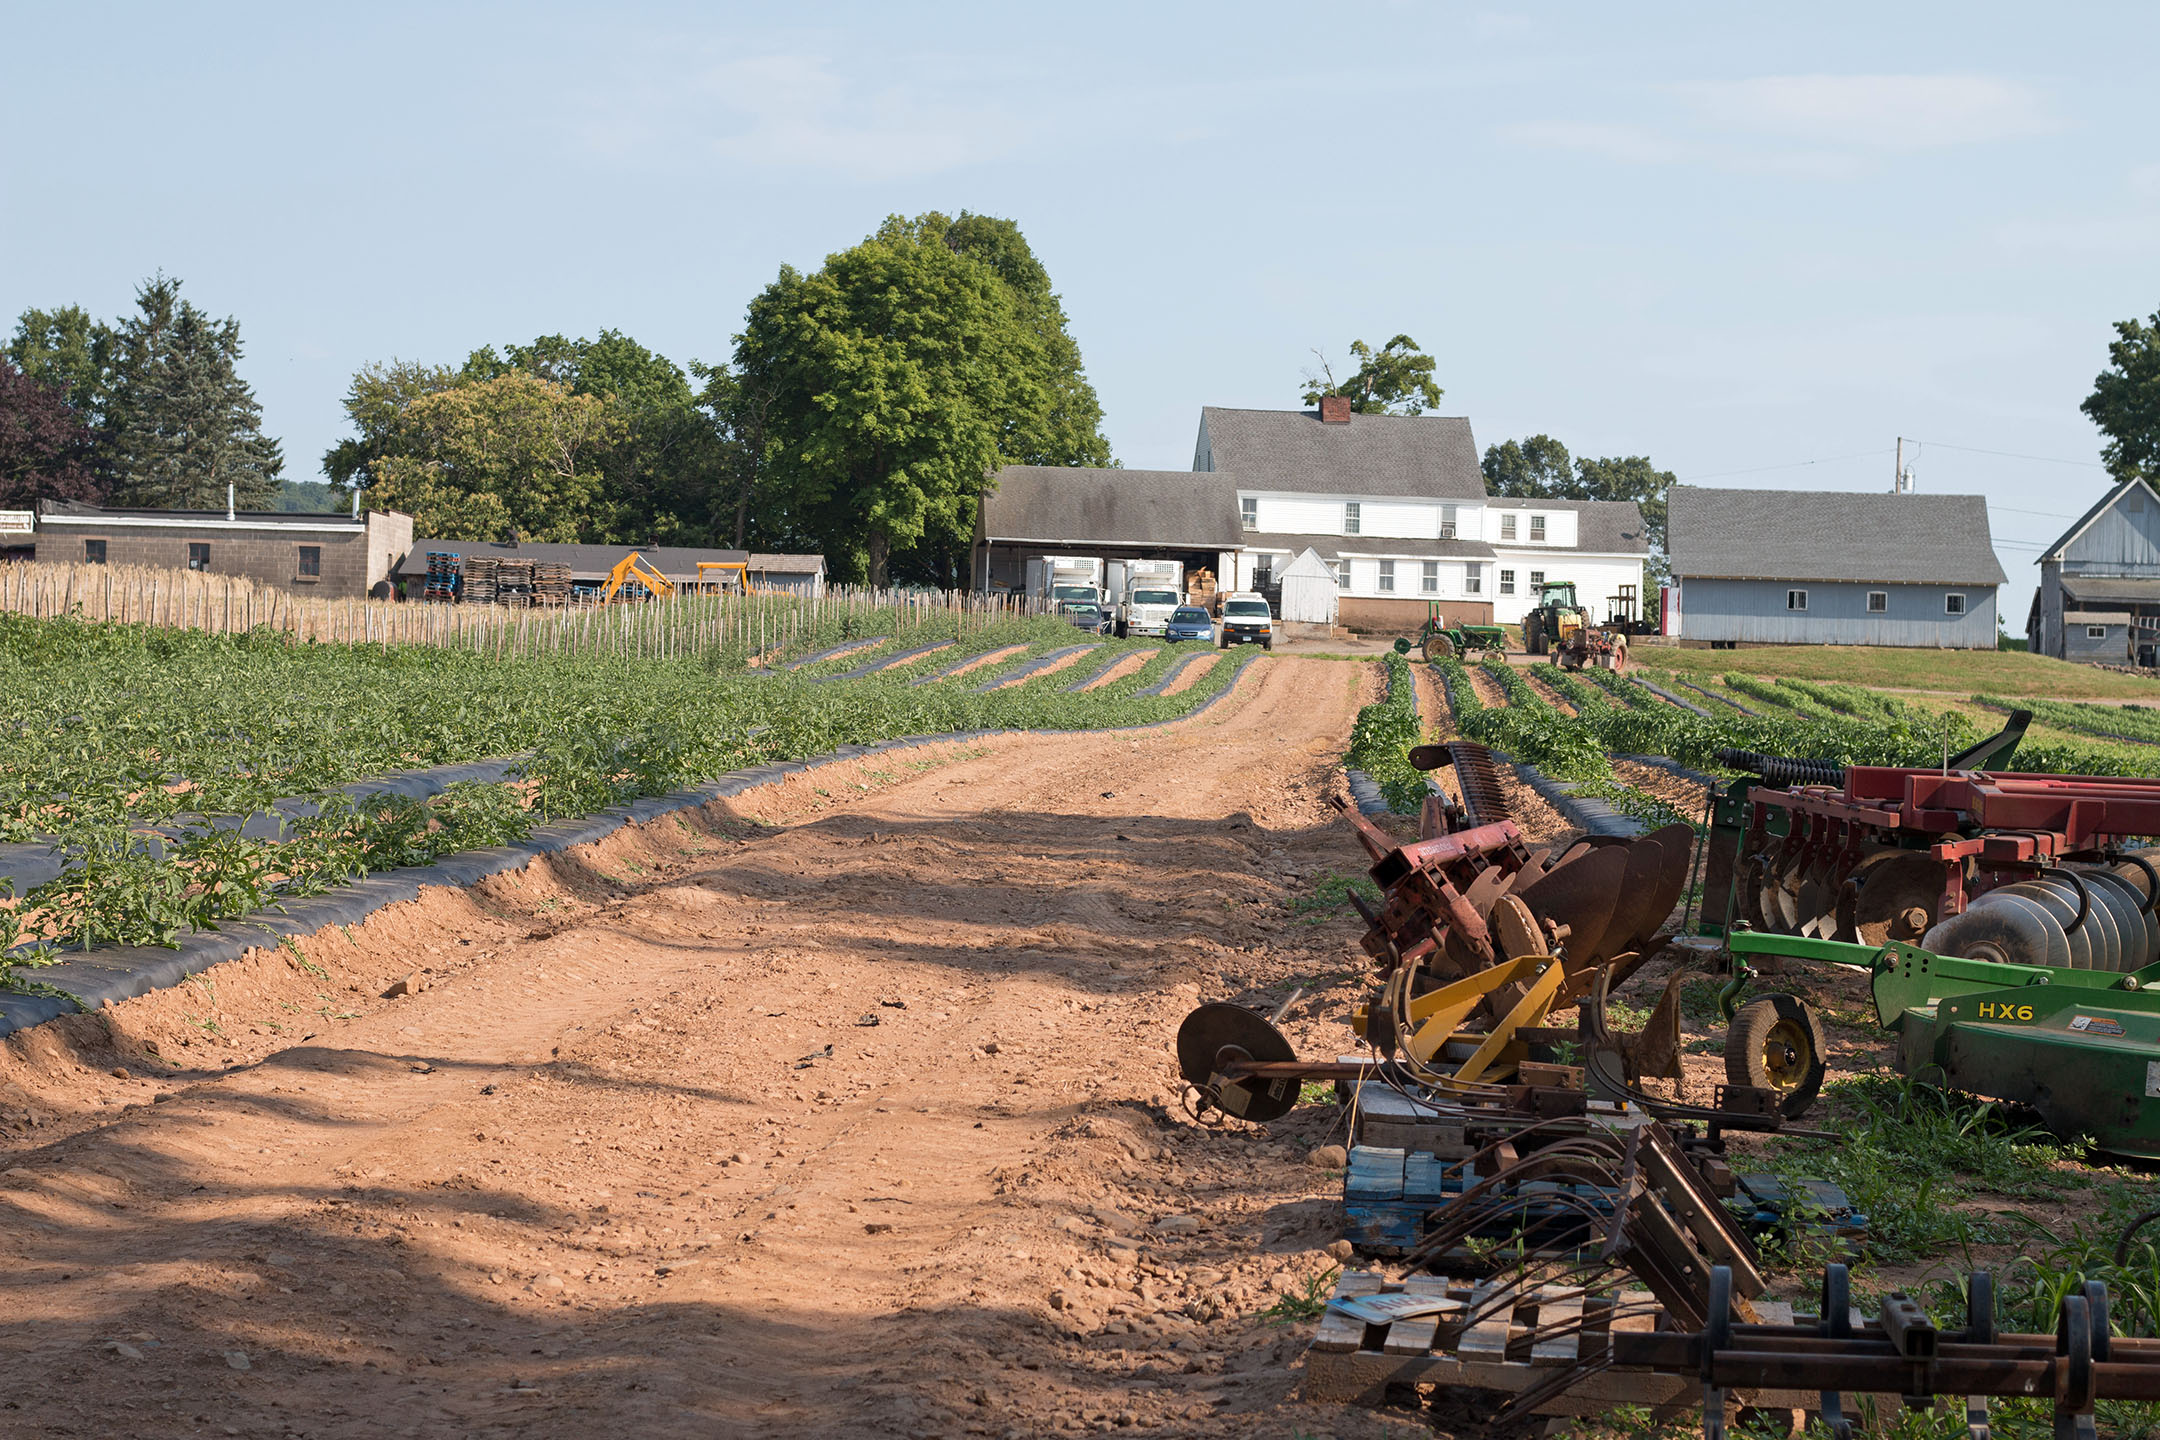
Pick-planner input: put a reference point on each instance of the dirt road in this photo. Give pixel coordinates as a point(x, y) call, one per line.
point(851, 1105)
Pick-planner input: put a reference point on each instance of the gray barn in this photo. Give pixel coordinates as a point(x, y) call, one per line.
point(1808, 567)
point(2099, 595)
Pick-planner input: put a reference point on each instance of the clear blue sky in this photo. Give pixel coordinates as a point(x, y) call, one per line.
point(1727, 238)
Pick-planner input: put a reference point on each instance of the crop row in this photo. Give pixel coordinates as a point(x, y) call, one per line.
point(113, 728)
point(1531, 729)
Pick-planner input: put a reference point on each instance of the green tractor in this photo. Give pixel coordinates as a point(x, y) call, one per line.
point(1556, 608)
point(1438, 640)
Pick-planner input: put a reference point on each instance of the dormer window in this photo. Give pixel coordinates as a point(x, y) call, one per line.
point(1350, 518)
point(1507, 527)
point(1447, 522)
point(1537, 527)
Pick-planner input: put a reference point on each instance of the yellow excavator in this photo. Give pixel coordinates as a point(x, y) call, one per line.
point(632, 569)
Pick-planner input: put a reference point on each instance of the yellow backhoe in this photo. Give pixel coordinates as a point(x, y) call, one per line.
point(632, 569)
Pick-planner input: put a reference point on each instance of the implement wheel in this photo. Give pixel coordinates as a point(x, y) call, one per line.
point(1776, 1043)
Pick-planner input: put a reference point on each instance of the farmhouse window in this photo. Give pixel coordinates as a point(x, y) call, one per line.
point(1537, 527)
point(1350, 518)
point(198, 555)
point(1387, 575)
point(1342, 574)
point(1430, 582)
point(1796, 599)
point(1249, 512)
point(1537, 581)
point(2096, 632)
point(1507, 527)
point(1507, 581)
point(1473, 579)
point(1447, 522)
point(1953, 604)
point(1878, 602)
point(311, 561)
point(93, 552)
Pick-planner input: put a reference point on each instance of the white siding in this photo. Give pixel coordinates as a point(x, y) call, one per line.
point(1560, 528)
point(1401, 519)
point(1386, 519)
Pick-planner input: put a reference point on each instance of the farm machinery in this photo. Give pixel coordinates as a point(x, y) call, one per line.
point(2006, 922)
point(1561, 629)
point(1438, 640)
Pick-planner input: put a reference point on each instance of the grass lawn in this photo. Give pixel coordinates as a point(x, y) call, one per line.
point(1960, 672)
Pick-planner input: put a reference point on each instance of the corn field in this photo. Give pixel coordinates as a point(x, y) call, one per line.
point(750, 626)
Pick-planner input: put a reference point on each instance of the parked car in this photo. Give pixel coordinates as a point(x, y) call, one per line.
point(1246, 620)
point(1091, 618)
point(1189, 622)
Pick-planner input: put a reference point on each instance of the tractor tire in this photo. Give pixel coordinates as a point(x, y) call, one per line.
point(1533, 635)
point(1776, 1043)
point(1440, 647)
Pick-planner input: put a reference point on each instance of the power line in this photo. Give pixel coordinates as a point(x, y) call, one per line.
point(1790, 465)
point(2014, 455)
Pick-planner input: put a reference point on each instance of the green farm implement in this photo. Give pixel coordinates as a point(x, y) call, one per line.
point(1438, 640)
point(2081, 1047)
point(2006, 922)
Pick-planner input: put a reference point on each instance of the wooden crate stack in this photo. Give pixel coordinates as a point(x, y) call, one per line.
point(551, 583)
point(479, 583)
point(514, 583)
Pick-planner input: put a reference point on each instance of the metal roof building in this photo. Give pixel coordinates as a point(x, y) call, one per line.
point(1815, 567)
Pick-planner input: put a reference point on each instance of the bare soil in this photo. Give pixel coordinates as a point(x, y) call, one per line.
point(1064, 662)
point(1120, 670)
point(988, 657)
point(848, 1107)
point(1192, 673)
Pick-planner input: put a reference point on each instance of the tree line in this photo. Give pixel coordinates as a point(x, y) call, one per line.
point(861, 413)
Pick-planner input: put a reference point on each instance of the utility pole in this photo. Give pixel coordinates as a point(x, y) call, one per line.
point(1904, 482)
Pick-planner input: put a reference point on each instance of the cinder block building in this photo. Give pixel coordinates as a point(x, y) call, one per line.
point(325, 555)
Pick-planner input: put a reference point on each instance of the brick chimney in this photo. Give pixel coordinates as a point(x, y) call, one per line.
point(1334, 409)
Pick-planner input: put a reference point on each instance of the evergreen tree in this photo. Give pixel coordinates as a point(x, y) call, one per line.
point(180, 424)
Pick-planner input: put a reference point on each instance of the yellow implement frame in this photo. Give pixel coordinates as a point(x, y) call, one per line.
point(1436, 1017)
point(633, 567)
point(717, 580)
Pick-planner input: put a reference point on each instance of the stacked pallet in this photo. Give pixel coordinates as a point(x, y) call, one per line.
point(479, 582)
point(1554, 1340)
point(514, 583)
point(442, 577)
point(551, 583)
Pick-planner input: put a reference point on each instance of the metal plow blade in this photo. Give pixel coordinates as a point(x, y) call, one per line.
point(1477, 774)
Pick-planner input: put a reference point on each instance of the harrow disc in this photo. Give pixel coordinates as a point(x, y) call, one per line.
point(1899, 898)
point(1217, 1033)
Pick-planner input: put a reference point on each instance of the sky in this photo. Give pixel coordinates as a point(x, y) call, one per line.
point(1757, 245)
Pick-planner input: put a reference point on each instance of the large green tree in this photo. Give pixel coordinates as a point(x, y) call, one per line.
point(511, 455)
point(895, 380)
point(70, 350)
point(658, 477)
point(1396, 379)
point(180, 425)
point(2125, 401)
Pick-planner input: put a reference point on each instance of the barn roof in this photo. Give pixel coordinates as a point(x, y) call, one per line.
point(1065, 505)
point(1830, 535)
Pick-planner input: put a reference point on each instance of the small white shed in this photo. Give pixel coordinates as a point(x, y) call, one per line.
point(1309, 591)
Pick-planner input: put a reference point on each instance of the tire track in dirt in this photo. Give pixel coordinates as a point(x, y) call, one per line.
point(848, 1103)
